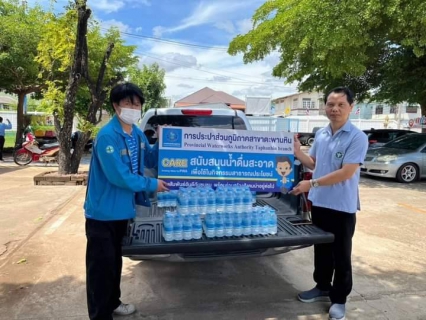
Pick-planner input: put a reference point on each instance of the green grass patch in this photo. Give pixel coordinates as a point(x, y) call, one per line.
point(9, 139)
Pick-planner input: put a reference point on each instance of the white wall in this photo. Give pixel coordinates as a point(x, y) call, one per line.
point(11, 115)
point(307, 124)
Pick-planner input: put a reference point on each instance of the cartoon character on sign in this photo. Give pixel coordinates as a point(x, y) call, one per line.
point(284, 168)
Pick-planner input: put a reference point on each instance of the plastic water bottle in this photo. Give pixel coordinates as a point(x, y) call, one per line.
point(273, 222)
point(178, 228)
point(227, 222)
point(193, 202)
point(220, 201)
point(211, 202)
point(247, 201)
point(187, 227)
point(219, 230)
point(197, 227)
point(160, 199)
point(174, 196)
point(229, 202)
point(238, 200)
point(246, 222)
point(168, 199)
point(237, 225)
point(202, 202)
point(183, 207)
point(168, 226)
point(255, 222)
point(210, 225)
point(253, 195)
point(264, 222)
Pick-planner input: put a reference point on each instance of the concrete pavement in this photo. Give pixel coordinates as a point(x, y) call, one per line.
point(42, 272)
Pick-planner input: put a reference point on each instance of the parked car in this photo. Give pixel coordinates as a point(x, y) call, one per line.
point(378, 137)
point(307, 138)
point(403, 159)
point(144, 240)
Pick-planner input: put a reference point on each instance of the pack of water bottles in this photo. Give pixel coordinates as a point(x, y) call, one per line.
point(177, 226)
point(223, 212)
point(257, 221)
point(167, 199)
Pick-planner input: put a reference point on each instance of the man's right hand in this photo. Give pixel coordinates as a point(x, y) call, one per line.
point(162, 186)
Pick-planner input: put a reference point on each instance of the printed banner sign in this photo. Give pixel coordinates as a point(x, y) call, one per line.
point(201, 157)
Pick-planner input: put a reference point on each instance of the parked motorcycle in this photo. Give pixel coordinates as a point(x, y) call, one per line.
point(31, 151)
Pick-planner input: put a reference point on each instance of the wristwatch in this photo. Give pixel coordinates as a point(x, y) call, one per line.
point(314, 183)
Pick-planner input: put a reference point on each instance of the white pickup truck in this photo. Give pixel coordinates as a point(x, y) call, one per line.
point(145, 242)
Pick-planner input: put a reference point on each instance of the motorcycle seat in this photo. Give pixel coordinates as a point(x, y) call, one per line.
point(49, 145)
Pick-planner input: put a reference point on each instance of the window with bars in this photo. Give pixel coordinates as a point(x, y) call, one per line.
point(411, 109)
point(379, 109)
point(306, 103)
point(295, 103)
point(393, 109)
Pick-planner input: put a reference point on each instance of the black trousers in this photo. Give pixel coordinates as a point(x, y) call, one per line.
point(1, 146)
point(103, 266)
point(334, 257)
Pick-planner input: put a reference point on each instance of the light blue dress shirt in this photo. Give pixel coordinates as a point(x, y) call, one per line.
point(347, 146)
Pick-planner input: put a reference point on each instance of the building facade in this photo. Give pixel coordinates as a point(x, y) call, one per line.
point(312, 104)
point(299, 104)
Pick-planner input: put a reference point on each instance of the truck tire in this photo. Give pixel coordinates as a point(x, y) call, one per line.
point(407, 173)
point(310, 141)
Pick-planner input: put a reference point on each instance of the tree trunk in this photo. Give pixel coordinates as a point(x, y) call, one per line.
point(79, 151)
point(76, 72)
point(20, 117)
point(98, 96)
point(423, 109)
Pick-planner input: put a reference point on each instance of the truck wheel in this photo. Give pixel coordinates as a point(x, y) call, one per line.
point(311, 141)
point(408, 172)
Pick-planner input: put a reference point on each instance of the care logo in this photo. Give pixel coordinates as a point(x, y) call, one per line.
point(172, 138)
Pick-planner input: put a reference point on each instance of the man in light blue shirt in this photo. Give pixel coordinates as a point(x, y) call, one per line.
point(3, 127)
point(335, 158)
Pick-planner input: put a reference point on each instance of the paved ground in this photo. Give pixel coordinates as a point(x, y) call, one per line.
point(42, 272)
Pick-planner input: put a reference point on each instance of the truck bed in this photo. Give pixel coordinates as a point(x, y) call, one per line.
point(145, 235)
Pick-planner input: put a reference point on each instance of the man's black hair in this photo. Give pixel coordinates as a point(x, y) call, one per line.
point(126, 90)
point(346, 91)
point(283, 159)
point(1, 119)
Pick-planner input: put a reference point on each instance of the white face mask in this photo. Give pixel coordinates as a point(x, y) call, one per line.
point(129, 116)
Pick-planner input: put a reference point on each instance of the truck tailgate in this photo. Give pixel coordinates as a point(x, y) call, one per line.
point(145, 235)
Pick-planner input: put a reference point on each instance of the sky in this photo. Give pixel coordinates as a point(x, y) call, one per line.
point(159, 27)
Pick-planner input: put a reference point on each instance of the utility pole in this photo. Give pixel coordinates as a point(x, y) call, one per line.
point(399, 115)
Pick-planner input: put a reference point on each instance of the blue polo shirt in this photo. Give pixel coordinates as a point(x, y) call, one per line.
point(347, 146)
point(4, 126)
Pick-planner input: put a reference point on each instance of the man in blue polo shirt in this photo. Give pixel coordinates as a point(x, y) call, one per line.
point(335, 158)
point(3, 127)
point(116, 183)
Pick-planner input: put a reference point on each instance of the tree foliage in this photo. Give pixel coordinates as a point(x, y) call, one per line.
point(20, 32)
point(376, 47)
point(104, 59)
point(151, 80)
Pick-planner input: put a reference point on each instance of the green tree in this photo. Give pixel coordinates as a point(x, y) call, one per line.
point(20, 32)
point(151, 80)
point(376, 47)
point(74, 45)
